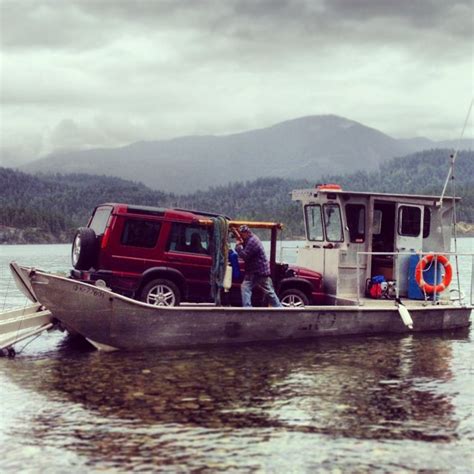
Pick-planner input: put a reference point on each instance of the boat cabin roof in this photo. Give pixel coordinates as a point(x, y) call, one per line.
point(308, 194)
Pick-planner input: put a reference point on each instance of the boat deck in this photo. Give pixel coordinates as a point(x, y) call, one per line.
point(387, 302)
point(367, 303)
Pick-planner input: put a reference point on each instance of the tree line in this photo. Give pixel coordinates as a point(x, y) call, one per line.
point(56, 204)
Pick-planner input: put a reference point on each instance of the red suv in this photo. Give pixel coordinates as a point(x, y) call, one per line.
point(162, 257)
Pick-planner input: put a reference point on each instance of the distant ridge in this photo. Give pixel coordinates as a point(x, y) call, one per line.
point(307, 147)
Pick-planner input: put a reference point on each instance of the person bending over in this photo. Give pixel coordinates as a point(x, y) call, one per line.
point(257, 268)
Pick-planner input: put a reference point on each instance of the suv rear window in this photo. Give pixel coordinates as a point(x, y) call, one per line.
point(138, 233)
point(100, 218)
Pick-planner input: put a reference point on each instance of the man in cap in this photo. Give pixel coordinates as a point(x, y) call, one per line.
point(257, 268)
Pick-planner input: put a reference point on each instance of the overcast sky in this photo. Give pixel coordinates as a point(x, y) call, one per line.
point(104, 73)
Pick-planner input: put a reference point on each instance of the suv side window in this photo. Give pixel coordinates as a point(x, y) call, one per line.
point(140, 233)
point(189, 238)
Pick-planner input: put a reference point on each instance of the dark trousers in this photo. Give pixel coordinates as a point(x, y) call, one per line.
point(264, 283)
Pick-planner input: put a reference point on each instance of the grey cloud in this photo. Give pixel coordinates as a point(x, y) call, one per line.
point(79, 24)
point(416, 12)
point(57, 25)
point(154, 69)
point(99, 131)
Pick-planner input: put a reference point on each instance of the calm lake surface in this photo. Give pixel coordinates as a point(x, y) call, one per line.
point(355, 404)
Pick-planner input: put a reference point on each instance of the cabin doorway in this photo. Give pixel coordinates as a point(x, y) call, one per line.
point(397, 227)
point(383, 238)
point(409, 240)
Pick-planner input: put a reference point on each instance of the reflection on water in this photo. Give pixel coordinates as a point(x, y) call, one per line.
point(173, 407)
point(378, 404)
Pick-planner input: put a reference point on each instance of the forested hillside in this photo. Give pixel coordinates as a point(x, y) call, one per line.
point(47, 208)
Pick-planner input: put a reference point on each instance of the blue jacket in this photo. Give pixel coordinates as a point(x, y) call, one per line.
point(234, 263)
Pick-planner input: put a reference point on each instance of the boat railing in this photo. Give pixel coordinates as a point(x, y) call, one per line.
point(433, 297)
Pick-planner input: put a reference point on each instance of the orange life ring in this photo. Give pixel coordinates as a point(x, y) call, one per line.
point(448, 273)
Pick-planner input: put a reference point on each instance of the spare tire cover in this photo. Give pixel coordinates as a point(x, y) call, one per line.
point(84, 248)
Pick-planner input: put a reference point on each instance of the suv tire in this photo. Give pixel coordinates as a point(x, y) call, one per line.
point(84, 248)
point(293, 298)
point(161, 292)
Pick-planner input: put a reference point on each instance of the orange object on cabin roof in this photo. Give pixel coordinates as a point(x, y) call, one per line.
point(328, 187)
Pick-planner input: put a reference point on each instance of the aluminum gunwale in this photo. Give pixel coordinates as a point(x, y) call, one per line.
point(377, 305)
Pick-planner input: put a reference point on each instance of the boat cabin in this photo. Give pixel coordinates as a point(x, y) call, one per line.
point(353, 236)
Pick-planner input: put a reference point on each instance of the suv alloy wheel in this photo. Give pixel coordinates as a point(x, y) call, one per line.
point(293, 298)
point(161, 292)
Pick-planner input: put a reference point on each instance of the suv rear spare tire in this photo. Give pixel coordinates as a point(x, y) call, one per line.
point(84, 248)
point(161, 292)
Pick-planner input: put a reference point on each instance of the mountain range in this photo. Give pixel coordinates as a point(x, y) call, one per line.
point(308, 147)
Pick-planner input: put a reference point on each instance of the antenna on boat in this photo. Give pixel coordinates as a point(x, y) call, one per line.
point(454, 156)
point(440, 202)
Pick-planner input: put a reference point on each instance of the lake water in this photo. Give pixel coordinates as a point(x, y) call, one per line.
point(355, 404)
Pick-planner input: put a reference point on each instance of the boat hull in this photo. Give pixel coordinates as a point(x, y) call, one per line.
point(112, 321)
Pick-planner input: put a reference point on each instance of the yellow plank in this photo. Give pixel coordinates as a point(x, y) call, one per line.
point(252, 224)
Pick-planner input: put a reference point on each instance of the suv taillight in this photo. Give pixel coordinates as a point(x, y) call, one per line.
point(105, 238)
point(108, 230)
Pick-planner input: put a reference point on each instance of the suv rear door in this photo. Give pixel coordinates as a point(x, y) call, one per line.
point(188, 251)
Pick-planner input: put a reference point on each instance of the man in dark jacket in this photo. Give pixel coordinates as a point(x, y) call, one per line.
point(257, 269)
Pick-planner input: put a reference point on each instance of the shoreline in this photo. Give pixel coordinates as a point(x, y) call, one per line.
point(37, 236)
point(58, 242)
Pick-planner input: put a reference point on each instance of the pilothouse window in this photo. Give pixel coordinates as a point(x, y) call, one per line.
point(409, 218)
point(333, 222)
point(426, 222)
point(314, 224)
point(355, 215)
point(377, 225)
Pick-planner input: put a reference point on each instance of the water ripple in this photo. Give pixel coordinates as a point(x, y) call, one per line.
point(378, 404)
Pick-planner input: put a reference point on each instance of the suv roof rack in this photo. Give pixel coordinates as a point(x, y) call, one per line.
point(201, 213)
point(149, 210)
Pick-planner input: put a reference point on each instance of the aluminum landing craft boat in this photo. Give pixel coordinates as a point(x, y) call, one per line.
point(397, 245)
point(111, 321)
